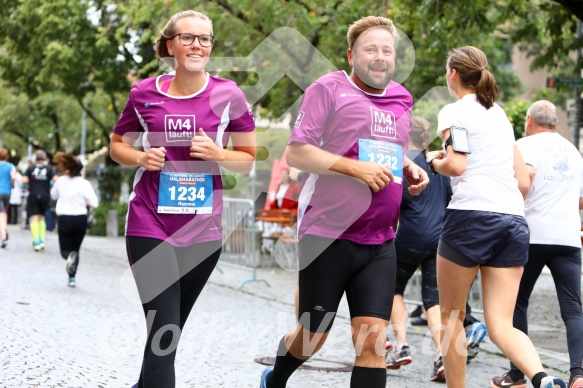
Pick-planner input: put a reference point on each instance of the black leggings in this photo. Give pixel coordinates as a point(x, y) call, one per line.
point(169, 280)
point(565, 265)
point(71, 231)
point(408, 260)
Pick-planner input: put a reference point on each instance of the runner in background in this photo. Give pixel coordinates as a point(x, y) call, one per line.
point(74, 195)
point(39, 177)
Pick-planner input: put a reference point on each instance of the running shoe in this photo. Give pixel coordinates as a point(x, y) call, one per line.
point(438, 373)
point(41, 244)
point(552, 382)
point(266, 372)
point(4, 243)
point(388, 346)
point(71, 283)
point(419, 321)
point(506, 381)
point(36, 247)
point(576, 382)
point(398, 358)
point(475, 334)
point(72, 262)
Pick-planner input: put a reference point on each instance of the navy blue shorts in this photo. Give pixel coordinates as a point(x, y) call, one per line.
point(470, 238)
point(330, 268)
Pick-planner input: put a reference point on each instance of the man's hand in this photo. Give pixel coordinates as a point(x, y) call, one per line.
point(376, 176)
point(417, 178)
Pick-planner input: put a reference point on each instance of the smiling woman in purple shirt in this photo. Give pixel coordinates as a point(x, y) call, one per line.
point(183, 123)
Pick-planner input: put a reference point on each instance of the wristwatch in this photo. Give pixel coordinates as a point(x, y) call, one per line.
point(430, 166)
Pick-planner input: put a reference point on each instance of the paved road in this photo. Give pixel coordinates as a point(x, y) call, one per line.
point(92, 335)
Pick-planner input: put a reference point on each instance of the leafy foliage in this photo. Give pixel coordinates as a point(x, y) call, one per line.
point(59, 57)
point(516, 112)
point(98, 218)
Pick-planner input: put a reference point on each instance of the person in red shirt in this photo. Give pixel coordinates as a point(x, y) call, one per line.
point(287, 194)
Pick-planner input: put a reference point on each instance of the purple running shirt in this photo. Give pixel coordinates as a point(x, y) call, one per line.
point(169, 121)
point(337, 116)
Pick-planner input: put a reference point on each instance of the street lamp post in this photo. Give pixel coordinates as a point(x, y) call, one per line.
point(83, 131)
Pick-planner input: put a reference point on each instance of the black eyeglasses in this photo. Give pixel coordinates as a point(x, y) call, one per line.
point(187, 39)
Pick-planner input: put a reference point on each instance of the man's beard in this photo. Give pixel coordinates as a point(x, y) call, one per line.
point(362, 73)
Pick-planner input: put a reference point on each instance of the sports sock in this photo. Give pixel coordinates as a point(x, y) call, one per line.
point(42, 230)
point(368, 377)
point(35, 229)
point(536, 380)
point(516, 374)
point(284, 367)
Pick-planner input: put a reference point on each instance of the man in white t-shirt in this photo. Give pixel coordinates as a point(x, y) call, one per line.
point(551, 209)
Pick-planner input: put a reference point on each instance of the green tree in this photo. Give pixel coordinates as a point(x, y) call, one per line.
point(90, 52)
point(66, 48)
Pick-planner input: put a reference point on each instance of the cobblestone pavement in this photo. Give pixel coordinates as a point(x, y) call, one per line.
point(92, 335)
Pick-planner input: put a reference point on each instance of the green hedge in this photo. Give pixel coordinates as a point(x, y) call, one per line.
point(98, 218)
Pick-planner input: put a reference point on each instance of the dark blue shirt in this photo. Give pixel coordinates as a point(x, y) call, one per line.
point(421, 216)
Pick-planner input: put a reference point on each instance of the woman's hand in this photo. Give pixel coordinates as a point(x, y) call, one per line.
point(434, 155)
point(153, 159)
point(203, 147)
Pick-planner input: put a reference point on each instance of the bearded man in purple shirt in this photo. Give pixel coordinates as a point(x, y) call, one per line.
point(350, 136)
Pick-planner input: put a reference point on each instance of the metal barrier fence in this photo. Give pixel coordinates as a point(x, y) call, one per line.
point(240, 246)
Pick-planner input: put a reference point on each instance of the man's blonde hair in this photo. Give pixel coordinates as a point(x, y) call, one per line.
point(356, 29)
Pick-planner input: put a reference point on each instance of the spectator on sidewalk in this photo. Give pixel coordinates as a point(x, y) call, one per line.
point(484, 227)
point(39, 177)
point(551, 209)
point(16, 195)
point(173, 230)
point(286, 195)
point(74, 195)
point(7, 176)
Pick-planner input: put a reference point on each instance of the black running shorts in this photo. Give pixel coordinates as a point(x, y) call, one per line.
point(37, 204)
point(329, 268)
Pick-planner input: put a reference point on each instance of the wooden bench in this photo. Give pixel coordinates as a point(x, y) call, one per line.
point(285, 217)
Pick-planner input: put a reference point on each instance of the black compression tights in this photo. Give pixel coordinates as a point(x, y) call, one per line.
point(169, 280)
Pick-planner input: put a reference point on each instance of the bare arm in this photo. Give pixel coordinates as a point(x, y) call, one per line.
point(123, 152)
point(453, 163)
point(239, 159)
point(524, 173)
point(315, 160)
